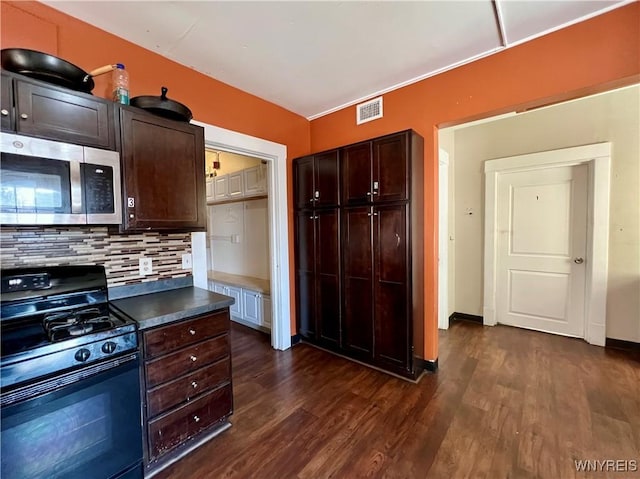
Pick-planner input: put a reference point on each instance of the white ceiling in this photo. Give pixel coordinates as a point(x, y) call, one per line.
point(316, 57)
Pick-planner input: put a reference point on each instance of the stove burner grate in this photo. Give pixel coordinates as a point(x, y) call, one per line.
point(66, 324)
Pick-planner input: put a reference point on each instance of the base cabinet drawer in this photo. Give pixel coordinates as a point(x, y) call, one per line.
point(163, 340)
point(185, 388)
point(167, 432)
point(186, 360)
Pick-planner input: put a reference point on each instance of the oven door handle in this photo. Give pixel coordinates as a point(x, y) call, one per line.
point(33, 390)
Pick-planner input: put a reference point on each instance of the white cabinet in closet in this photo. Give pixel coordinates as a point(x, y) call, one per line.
point(252, 308)
point(210, 188)
point(236, 185)
point(255, 180)
point(221, 187)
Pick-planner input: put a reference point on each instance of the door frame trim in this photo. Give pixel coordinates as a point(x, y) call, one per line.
point(598, 159)
point(443, 239)
point(276, 155)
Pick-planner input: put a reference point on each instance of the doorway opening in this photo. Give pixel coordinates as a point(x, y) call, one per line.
point(227, 142)
point(611, 116)
point(238, 231)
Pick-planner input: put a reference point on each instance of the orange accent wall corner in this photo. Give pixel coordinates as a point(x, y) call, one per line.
point(585, 58)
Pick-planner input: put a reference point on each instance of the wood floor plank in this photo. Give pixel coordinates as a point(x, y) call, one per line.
point(506, 403)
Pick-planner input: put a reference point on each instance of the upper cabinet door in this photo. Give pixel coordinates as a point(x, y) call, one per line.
point(391, 168)
point(236, 186)
point(303, 171)
point(325, 191)
point(51, 113)
point(163, 170)
point(221, 187)
point(356, 174)
point(6, 118)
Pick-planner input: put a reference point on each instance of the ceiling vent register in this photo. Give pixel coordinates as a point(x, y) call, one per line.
point(369, 110)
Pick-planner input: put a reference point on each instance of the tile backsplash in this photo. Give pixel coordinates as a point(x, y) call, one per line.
point(119, 253)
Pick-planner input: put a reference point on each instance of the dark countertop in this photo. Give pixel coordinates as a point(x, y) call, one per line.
point(156, 309)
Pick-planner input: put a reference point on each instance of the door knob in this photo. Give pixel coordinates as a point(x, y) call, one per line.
point(578, 260)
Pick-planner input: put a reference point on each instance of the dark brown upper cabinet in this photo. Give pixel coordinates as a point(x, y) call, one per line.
point(163, 173)
point(56, 113)
point(316, 180)
point(391, 168)
point(356, 174)
point(376, 171)
point(6, 105)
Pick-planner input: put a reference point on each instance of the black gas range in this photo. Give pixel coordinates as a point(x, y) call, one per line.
point(69, 378)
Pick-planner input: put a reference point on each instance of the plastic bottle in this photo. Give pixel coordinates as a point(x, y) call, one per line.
point(120, 84)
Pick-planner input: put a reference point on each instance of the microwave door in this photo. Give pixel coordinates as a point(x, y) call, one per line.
point(101, 184)
point(39, 182)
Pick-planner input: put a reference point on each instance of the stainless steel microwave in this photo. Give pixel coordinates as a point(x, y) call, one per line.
point(46, 182)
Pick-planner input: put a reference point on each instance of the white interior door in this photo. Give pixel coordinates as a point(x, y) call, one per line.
point(541, 233)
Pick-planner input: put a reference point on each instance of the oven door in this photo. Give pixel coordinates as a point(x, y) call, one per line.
point(84, 424)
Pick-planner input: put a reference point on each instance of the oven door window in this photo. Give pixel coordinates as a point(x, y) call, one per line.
point(89, 429)
point(34, 185)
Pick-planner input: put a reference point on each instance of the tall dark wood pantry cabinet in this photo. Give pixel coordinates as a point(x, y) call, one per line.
point(379, 255)
point(318, 248)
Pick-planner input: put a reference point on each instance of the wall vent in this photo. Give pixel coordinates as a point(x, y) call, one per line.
point(369, 110)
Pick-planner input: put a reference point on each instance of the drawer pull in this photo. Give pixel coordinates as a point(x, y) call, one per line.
point(5, 112)
point(192, 332)
point(196, 418)
point(24, 116)
point(194, 384)
point(193, 358)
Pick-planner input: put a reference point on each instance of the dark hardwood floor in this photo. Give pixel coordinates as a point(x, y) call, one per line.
point(506, 403)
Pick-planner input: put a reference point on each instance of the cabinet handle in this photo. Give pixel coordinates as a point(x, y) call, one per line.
point(375, 214)
point(317, 195)
point(192, 332)
point(4, 112)
point(24, 116)
point(368, 193)
point(196, 418)
point(375, 192)
point(194, 384)
point(193, 358)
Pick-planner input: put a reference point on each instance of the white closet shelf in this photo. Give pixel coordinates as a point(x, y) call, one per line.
point(256, 284)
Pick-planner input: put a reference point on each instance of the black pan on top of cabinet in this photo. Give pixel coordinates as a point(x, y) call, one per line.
point(316, 180)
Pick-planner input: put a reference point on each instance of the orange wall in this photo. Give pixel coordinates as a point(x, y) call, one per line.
point(39, 27)
point(591, 56)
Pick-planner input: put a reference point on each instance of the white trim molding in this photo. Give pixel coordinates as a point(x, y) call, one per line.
point(276, 155)
point(443, 239)
point(598, 159)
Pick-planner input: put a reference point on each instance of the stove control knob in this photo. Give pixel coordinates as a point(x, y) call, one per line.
point(109, 347)
point(82, 355)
